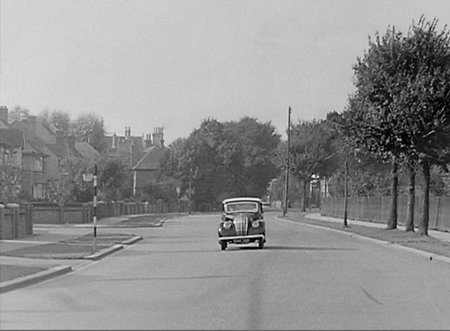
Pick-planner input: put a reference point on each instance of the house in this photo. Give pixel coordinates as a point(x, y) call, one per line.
point(11, 145)
point(142, 154)
point(3, 117)
point(146, 170)
point(42, 153)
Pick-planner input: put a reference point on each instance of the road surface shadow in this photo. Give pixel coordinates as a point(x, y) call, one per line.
point(295, 248)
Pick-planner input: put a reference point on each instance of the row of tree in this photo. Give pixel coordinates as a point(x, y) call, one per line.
point(400, 112)
point(86, 127)
point(220, 160)
point(399, 115)
point(114, 177)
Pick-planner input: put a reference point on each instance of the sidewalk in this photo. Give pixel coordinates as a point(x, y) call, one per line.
point(56, 249)
point(441, 235)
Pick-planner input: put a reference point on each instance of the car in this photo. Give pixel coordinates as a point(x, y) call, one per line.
point(242, 222)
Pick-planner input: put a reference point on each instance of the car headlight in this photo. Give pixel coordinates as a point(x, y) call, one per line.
point(227, 225)
point(255, 224)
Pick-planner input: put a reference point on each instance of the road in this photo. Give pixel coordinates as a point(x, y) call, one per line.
point(178, 278)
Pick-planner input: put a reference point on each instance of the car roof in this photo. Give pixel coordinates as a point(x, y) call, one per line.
point(249, 199)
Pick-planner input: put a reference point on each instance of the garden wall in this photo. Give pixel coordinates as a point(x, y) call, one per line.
point(16, 222)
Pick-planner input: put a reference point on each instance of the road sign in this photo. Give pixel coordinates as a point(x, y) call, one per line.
point(88, 177)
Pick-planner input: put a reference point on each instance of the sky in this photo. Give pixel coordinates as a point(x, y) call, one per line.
point(145, 64)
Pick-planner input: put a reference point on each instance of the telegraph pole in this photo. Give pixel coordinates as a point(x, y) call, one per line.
point(286, 177)
point(190, 188)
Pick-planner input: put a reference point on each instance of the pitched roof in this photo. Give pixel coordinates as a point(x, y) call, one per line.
point(86, 150)
point(150, 161)
point(12, 138)
point(63, 150)
point(3, 125)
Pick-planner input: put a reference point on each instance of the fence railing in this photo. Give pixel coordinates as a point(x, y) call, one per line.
point(376, 209)
point(16, 221)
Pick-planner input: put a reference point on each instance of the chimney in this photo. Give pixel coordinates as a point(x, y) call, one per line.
point(31, 126)
point(4, 114)
point(148, 141)
point(59, 137)
point(158, 137)
point(127, 132)
point(134, 153)
point(114, 141)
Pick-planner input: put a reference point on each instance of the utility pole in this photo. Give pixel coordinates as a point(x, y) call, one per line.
point(346, 187)
point(190, 188)
point(286, 177)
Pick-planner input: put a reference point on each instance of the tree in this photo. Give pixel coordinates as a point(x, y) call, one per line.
point(401, 106)
point(57, 120)
point(69, 186)
point(257, 144)
point(17, 114)
point(112, 178)
point(89, 127)
point(10, 176)
point(311, 152)
point(224, 159)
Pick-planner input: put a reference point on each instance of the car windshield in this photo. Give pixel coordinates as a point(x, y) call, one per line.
point(235, 207)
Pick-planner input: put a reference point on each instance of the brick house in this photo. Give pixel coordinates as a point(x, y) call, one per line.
point(42, 153)
point(142, 155)
point(11, 145)
point(146, 169)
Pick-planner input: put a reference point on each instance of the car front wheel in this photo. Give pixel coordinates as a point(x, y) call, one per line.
point(261, 244)
point(223, 245)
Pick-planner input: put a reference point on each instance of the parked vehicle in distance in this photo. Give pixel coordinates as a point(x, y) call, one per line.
point(242, 222)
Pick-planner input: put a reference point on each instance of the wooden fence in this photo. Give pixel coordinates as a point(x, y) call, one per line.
point(376, 209)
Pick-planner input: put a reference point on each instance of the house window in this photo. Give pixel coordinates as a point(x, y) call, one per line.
point(39, 191)
point(38, 163)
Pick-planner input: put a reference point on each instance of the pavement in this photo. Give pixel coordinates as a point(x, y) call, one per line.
point(57, 249)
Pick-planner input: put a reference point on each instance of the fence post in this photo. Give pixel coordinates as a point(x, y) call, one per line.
point(2, 222)
point(29, 219)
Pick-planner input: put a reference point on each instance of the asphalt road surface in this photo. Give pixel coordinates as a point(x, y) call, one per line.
point(178, 278)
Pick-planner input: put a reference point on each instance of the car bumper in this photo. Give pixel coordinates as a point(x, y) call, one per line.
point(243, 238)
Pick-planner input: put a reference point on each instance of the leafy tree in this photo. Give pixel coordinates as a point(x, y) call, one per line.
point(112, 178)
point(70, 186)
point(17, 114)
point(224, 159)
point(312, 152)
point(89, 127)
point(254, 166)
point(401, 107)
point(10, 177)
point(57, 120)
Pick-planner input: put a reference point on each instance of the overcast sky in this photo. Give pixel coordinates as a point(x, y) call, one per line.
point(174, 63)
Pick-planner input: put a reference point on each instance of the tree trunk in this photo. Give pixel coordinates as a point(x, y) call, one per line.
point(392, 221)
point(346, 190)
point(409, 226)
point(304, 183)
point(423, 225)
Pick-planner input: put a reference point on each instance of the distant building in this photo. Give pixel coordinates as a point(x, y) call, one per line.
point(42, 152)
point(142, 154)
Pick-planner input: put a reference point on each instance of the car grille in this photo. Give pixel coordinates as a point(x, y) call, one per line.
point(241, 224)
